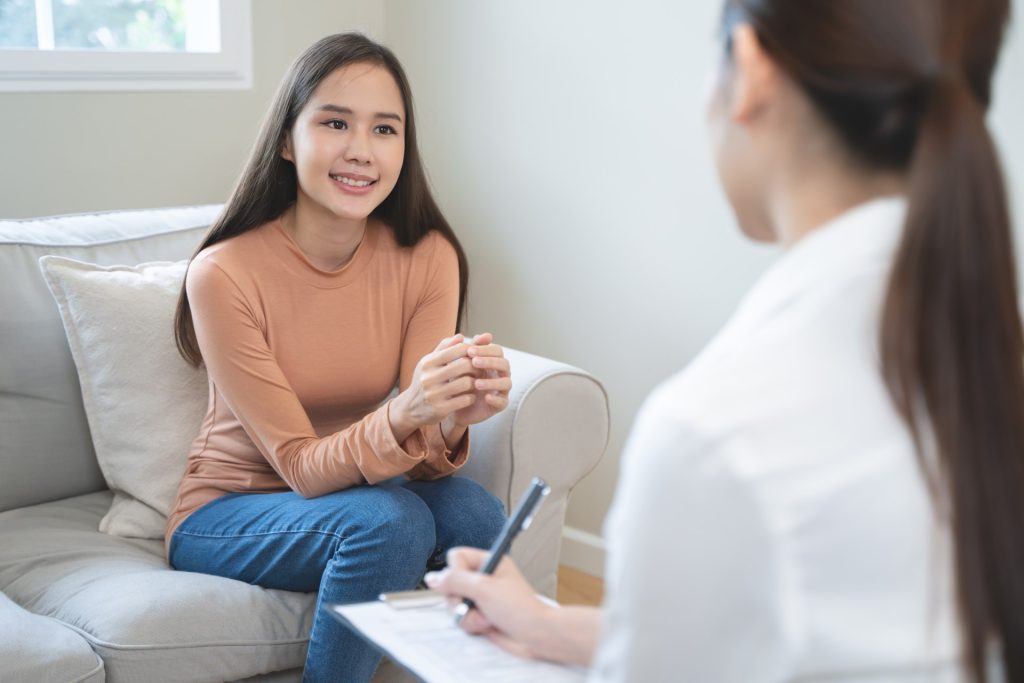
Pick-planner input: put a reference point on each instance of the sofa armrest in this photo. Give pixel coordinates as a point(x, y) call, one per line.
point(555, 427)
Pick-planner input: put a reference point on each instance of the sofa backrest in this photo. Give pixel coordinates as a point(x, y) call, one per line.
point(45, 449)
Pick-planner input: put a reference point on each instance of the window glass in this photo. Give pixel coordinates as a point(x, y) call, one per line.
point(112, 45)
point(111, 25)
point(18, 23)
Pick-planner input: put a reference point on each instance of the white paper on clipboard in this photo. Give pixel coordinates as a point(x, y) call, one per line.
point(426, 641)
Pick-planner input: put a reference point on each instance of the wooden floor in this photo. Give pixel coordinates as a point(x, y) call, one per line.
point(578, 588)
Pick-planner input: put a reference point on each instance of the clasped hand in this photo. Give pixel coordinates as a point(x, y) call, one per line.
point(461, 382)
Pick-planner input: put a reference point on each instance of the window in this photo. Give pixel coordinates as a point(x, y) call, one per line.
point(125, 44)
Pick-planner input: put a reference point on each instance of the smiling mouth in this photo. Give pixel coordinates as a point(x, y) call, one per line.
point(351, 182)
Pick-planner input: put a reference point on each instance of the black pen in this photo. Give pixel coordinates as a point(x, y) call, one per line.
point(519, 521)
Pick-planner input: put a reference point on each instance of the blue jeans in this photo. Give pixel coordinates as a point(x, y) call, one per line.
point(348, 546)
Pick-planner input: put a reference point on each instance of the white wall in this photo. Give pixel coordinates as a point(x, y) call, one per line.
point(1005, 121)
point(71, 152)
point(566, 143)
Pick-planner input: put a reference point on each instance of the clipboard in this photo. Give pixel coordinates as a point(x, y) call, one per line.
point(416, 630)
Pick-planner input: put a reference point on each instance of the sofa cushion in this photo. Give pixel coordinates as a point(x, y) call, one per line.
point(36, 649)
point(46, 452)
point(147, 621)
point(143, 401)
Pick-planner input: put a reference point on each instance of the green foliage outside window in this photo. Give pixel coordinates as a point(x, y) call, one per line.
point(146, 25)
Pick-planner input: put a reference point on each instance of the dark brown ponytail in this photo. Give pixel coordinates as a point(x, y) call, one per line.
point(952, 350)
point(906, 84)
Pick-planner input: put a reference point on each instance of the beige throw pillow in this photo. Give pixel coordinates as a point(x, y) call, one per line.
point(144, 403)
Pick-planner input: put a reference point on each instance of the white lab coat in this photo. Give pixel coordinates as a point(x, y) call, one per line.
point(771, 522)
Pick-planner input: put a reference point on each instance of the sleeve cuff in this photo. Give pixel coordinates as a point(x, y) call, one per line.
point(394, 457)
point(440, 461)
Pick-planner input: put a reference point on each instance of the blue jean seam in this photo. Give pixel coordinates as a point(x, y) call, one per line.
point(336, 535)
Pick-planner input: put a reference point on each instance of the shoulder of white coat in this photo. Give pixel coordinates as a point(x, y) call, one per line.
point(669, 427)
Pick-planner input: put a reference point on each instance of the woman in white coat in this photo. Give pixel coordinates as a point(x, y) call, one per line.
point(834, 488)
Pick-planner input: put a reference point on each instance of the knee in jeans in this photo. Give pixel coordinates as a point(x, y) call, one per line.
point(487, 511)
point(404, 523)
point(492, 516)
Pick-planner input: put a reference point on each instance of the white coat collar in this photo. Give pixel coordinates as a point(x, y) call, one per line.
point(865, 236)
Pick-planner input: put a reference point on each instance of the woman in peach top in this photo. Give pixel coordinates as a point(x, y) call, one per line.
point(331, 278)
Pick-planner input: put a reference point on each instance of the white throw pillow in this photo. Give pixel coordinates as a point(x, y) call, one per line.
point(144, 403)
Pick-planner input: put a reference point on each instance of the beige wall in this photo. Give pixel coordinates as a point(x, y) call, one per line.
point(71, 152)
point(566, 142)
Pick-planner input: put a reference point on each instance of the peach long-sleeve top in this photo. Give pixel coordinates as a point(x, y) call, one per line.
point(302, 360)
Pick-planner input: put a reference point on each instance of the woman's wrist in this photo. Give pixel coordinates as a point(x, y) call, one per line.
point(545, 635)
point(402, 424)
point(452, 432)
point(565, 634)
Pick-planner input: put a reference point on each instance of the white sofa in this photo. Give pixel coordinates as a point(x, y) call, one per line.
point(81, 605)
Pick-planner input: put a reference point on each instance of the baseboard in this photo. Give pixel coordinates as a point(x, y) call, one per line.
point(583, 550)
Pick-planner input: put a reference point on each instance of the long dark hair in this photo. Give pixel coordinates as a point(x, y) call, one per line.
point(268, 184)
point(906, 84)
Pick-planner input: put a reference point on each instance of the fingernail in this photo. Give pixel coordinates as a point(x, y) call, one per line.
point(431, 578)
point(479, 384)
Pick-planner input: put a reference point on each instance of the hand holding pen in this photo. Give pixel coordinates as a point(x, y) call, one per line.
point(468, 574)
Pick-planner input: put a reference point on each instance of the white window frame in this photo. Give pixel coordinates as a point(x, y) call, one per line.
point(62, 70)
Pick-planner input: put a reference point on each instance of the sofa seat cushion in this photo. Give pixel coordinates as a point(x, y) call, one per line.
point(35, 648)
point(147, 621)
